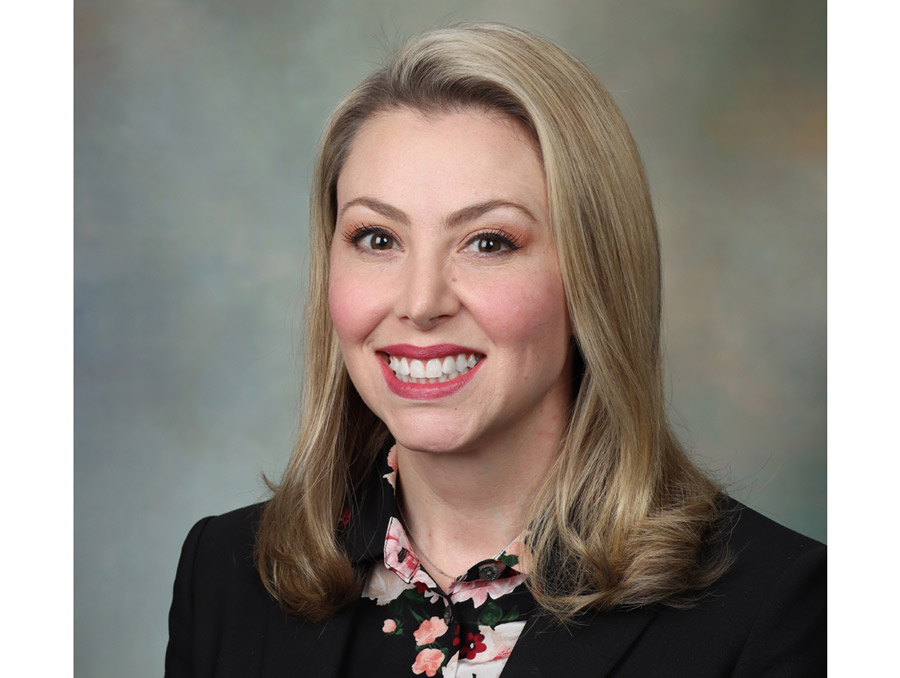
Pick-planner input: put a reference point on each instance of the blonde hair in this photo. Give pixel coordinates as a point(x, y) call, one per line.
point(623, 517)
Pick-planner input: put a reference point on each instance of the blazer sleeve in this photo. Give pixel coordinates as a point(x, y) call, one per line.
point(180, 650)
point(788, 636)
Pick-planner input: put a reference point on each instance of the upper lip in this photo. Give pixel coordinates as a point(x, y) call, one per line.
point(427, 352)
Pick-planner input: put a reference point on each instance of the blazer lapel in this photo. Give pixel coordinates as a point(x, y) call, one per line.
point(592, 647)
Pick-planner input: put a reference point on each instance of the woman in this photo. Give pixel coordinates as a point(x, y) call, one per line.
point(484, 479)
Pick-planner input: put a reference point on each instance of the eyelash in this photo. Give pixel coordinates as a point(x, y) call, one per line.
point(511, 241)
point(357, 233)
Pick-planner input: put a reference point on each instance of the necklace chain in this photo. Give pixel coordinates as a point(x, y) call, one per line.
point(425, 556)
point(419, 550)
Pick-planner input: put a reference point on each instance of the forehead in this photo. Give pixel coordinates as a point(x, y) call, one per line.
point(443, 160)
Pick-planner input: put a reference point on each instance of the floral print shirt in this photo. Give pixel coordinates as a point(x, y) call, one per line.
point(407, 626)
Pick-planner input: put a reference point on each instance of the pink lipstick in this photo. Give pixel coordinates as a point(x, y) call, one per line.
point(414, 390)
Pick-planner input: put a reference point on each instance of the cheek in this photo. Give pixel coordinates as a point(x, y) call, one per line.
point(529, 311)
point(353, 309)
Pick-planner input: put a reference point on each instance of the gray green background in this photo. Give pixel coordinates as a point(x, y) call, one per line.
point(195, 127)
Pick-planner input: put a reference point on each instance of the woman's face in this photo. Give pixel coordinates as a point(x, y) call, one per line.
point(444, 285)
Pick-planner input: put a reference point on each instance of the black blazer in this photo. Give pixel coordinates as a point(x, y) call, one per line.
point(765, 617)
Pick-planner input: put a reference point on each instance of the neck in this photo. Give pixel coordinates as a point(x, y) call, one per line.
point(464, 507)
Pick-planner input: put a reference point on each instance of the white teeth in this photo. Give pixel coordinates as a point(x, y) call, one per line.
point(433, 371)
point(433, 368)
point(416, 369)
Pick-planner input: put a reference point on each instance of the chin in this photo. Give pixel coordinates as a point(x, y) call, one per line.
point(432, 439)
point(429, 444)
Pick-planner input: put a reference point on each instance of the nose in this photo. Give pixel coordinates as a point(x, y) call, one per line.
point(426, 293)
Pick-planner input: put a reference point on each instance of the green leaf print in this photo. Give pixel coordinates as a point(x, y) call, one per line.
point(491, 614)
point(509, 561)
point(412, 594)
point(511, 616)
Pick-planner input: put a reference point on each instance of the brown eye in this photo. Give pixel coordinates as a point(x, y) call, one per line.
point(371, 238)
point(491, 242)
point(379, 241)
point(489, 245)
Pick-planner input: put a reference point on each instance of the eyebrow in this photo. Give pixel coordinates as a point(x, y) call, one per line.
point(472, 212)
point(458, 218)
point(381, 208)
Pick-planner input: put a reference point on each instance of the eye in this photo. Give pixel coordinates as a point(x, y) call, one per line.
point(377, 241)
point(489, 245)
point(371, 238)
point(492, 243)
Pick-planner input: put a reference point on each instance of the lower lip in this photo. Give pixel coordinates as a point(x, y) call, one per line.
point(413, 391)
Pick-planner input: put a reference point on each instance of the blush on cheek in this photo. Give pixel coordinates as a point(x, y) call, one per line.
point(339, 307)
point(342, 302)
point(528, 309)
point(355, 310)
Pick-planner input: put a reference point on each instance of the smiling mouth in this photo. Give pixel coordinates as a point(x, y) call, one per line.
point(434, 370)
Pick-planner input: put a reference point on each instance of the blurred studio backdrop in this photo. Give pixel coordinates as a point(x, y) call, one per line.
point(196, 123)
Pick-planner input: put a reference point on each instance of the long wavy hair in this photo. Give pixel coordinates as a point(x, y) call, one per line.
point(623, 518)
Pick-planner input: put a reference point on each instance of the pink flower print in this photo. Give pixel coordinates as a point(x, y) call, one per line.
point(392, 458)
point(499, 642)
point(392, 462)
point(479, 590)
point(485, 652)
point(425, 585)
point(398, 555)
point(383, 586)
point(430, 630)
point(389, 626)
point(428, 662)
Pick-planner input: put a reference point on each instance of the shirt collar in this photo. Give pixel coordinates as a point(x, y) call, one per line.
point(375, 532)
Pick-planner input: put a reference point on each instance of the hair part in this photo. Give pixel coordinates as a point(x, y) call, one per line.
point(623, 517)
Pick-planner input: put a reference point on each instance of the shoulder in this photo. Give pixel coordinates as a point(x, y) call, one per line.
point(219, 552)
point(232, 533)
point(764, 617)
point(224, 623)
point(765, 552)
point(219, 604)
point(761, 540)
point(767, 614)
point(772, 565)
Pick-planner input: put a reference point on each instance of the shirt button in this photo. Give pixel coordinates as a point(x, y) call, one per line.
point(489, 572)
point(402, 555)
point(448, 615)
